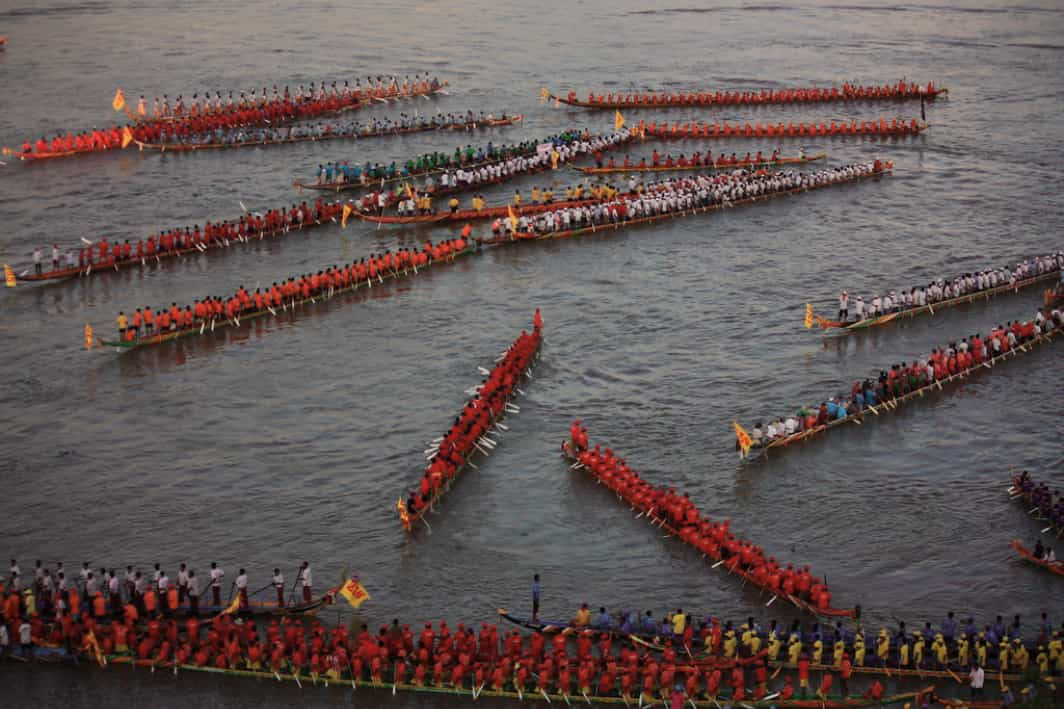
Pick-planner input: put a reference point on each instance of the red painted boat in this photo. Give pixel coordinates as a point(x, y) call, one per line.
point(468, 215)
point(1055, 567)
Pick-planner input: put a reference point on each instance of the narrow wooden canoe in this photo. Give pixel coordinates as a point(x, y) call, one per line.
point(1055, 567)
point(866, 323)
point(888, 406)
point(468, 215)
point(748, 98)
point(738, 165)
point(204, 328)
point(192, 147)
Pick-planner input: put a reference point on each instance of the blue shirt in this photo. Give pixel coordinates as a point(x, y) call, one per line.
point(535, 590)
point(870, 397)
point(949, 628)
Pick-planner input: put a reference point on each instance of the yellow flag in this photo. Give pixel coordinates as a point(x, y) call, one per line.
point(354, 592)
point(743, 437)
point(513, 218)
point(409, 191)
point(554, 160)
point(544, 94)
point(127, 136)
point(232, 607)
point(346, 214)
point(404, 516)
point(119, 101)
point(618, 120)
point(808, 315)
point(9, 276)
point(88, 336)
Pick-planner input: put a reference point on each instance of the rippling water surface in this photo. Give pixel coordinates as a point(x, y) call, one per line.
point(291, 439)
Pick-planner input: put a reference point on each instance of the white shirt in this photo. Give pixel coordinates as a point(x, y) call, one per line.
point(182, 578)
point(305, 575)
point(164, 583)
point(193, 586)
point(242, 581)
point(216, 578)
point(25, 634)
point(278, 580)
point(976, 676)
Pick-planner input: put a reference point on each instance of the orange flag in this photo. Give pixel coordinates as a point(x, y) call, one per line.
point(346, 214)
point(9, 276)
point(513, 218)
point(409, 191)
point(743, 437)
point(354, 593)
point(119, 101)
point(127, 136)
point(618, 120)
point(808, 315)
point(544, 94)
point(88, 336)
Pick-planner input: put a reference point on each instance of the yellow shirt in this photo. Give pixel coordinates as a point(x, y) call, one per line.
point(858, 654)
point(1003, 659)
point(745, 638)
point(578, 192)
point(1020, 658)
point(679, 624)
point(568, 193)
point(903, 655)
point(535, 195)
point(1056, 648)
point(123, 322)
point(548, 196)
point(918, 652)
point(980, 654)
point(882, 648)
point(583, 617)
point(730, 645)
point(794, 650)
point(1043, 663)
point(941, 653)
point(818, 652)
point(774, 649)
point(517, 199)
point(755, 644)
point(962, 653)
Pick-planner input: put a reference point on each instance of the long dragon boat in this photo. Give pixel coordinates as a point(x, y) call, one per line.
point(331, 135)
point(887, 318)
point(329, 215)
point(704, 131)
point(387, 684)
point(889, 405)
point(654, 219)
point(409, 517)
point(719, 164)
point(1054, 567)
point(236, 322)
point(469, 215)
point(1054, 297)
point(760, 97)
point(647, 509)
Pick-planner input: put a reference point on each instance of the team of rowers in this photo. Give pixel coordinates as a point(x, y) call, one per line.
point(379, 87)
point(472, 427)
point(351, 129)
point(943, 289)
point(733, 98)
point(699, 160)
point(130, 595)
point(904, 378)
point(896, 126)
point(168, 125)
point(461, 178)
point(209, 310)
point(697, 191)
point(107, 254)
point(665, 506)
point(1048, 503)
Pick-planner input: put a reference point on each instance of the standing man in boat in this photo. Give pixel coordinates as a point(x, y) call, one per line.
point(844, 307)
point(305, 581)
point(278, 586)
point(535, 597)
point(193, 593)
point(216, 584)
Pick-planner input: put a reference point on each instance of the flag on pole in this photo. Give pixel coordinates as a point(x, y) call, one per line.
point(544, 94)
point(409, 191)
point(618, 120)
point(743, 437)
point(346, 214)
point(808, 315)
point(9, 276)
point(554, 156)
point(404, 516)
point(127, 136)
point(119, 101)
point(232, 607)
point(88, 336)
point(513, 218)
point(92, 644)
point(354, 593)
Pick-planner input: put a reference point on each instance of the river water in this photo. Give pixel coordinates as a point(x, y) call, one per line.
point(292, 440)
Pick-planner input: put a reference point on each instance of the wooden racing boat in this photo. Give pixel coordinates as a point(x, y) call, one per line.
point(1055, 567)
point(1038, 512)
point(328, 136)
point(203, 328)
point(718, 165)
point(159, 256)
point(890, 405)
point(663, 524)
point(468, 215)
point(758, 97)
point(693, 131)
point(942, 305)
point(642, 221)
point(409, 519)
point(1054, 297)
point(56, 655)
